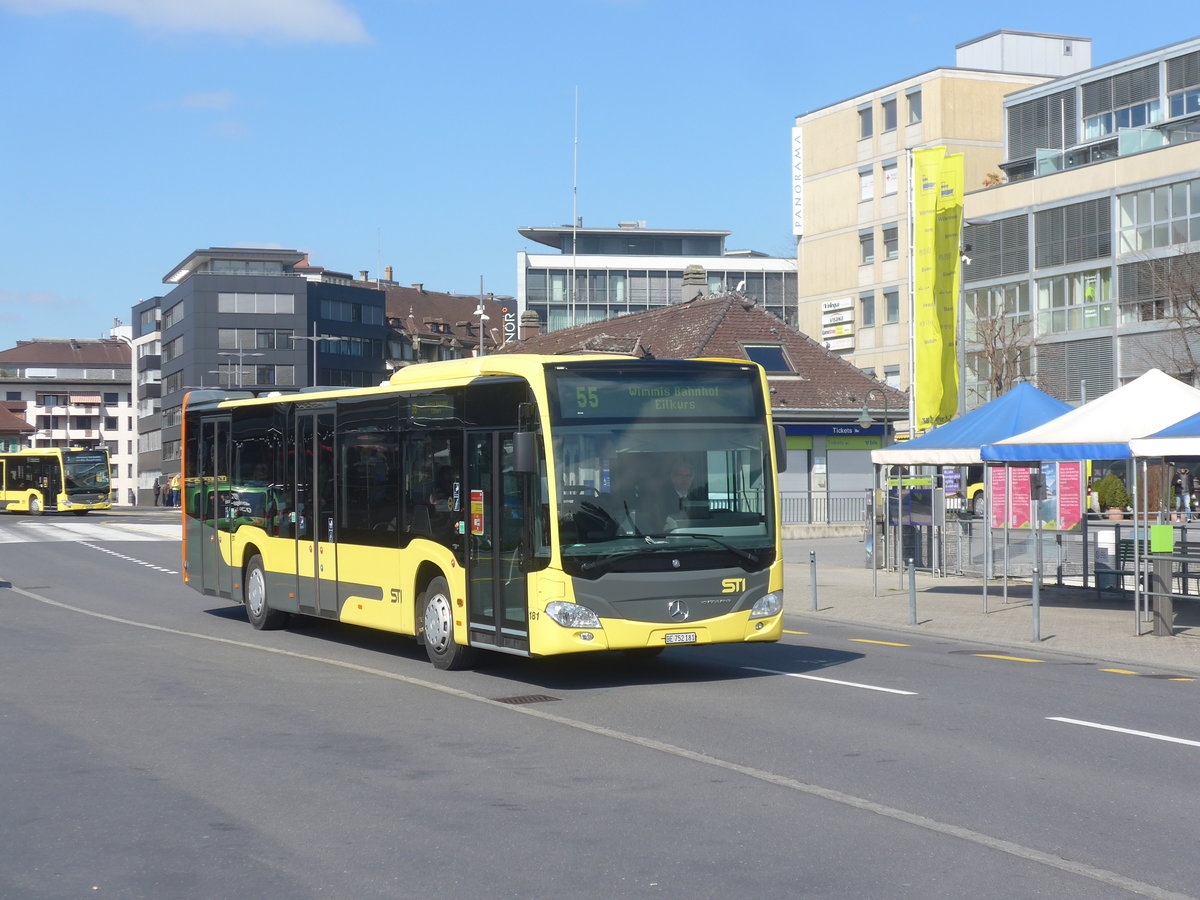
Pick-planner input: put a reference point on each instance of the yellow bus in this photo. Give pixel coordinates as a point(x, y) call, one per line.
point(55, 479)
point(511, 503)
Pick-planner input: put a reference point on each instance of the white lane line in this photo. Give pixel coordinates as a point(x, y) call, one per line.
point(1020, 851)
point(865, 687)
point(1134, 732)
point(132, 559)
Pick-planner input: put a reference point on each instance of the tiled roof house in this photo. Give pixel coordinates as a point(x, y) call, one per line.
point(807, 381)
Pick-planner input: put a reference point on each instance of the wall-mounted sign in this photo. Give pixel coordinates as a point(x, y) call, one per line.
point(837, 317)
point(830, 331)
point(842, 343)
point(839, 303)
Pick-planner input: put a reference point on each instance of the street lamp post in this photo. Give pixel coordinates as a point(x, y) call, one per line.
point(866, 420)
point(314, 339)
point(240, 354)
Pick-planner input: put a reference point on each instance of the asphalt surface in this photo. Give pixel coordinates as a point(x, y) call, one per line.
point(1071, 620)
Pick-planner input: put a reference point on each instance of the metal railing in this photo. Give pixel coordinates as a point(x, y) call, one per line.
point(823, 507)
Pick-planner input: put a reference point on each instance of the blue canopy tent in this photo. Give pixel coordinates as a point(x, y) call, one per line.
point(959, 442)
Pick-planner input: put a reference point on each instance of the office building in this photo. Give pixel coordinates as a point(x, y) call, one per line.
point(601, 273)
point(1085, 260)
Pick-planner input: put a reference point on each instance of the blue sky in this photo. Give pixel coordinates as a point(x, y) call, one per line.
point(420, 133)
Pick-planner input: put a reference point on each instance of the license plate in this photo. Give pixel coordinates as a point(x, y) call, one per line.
point(685, 637)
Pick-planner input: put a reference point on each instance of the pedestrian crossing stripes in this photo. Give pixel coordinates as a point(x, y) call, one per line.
point(25, 532)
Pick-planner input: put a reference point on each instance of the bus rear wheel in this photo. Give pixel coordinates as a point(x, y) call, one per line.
point(35, 506)
point(258, 610)
point(437, 628)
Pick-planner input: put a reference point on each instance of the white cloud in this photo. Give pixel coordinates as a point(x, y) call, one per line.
point(323, 21)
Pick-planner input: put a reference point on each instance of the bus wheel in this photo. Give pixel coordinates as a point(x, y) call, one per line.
point(437, 626)
point(258, 610)
point(35, 506)
point(979, 504)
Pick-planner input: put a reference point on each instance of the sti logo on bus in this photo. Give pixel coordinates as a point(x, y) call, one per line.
point(733, 585)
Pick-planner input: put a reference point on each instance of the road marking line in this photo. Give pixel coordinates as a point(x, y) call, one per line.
point(1030, 854)
point(785, 631)
point(1119, 671)
point(883, 643)
point(1134, 732)
point(865, 687)
point(1009, 658)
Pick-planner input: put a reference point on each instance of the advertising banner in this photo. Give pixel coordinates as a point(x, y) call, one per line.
point(937, 227)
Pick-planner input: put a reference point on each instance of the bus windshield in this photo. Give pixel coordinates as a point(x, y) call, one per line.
point(647, 491)
point(85, 471)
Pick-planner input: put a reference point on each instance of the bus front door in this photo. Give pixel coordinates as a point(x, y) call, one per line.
point(497, 600)
point(316, 557)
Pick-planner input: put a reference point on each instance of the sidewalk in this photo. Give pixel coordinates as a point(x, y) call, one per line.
point(1073, 621)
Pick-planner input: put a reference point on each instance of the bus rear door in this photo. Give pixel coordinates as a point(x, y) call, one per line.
point(316, 557)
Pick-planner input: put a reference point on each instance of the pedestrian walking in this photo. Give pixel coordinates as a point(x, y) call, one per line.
point(157, 488)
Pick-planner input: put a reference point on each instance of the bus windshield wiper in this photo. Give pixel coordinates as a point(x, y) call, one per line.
point(736, 551)
point(655, 546)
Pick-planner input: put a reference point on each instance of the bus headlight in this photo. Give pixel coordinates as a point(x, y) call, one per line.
point(770, 605)
point(572, 615)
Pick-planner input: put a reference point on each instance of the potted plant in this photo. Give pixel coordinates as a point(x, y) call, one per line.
point(1112, 496)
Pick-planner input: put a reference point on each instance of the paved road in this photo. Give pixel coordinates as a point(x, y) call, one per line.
point(153, 745)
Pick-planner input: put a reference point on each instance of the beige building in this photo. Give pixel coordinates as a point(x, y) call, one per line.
point(850, 185)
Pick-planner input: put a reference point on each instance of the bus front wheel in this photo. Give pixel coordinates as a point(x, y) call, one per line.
point(258, 610)
point(437, 628)
point(35, 506)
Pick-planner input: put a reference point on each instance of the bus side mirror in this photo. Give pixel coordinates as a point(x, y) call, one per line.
point(780, 448)
point(525, 452)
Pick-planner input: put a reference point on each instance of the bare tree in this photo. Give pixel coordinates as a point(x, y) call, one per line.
point(1167, 289)
point(998, 350)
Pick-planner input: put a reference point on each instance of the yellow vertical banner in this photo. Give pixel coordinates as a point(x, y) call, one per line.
point(937, 227)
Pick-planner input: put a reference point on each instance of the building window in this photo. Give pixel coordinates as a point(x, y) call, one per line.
point(866, 184)
point(51, 400)
point(242, 302)
point(173, 315)
point(1068, 234)
point(770, 356)
point(172, 349)
point(891, 376)
point(891, 241)
point(1072, 302)
point(345, 311)
point(172, 383)
point(888, 105)
point(254, 338)
point(13, 395)
point(1160, 217)
point(866, 309)
point(110, 423)
point(865, 122)
point(891, 179)
point(914, 106)
point(866, 247)
point(891, 306)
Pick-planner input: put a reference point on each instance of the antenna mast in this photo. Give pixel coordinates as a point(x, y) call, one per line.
point(574, 205)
